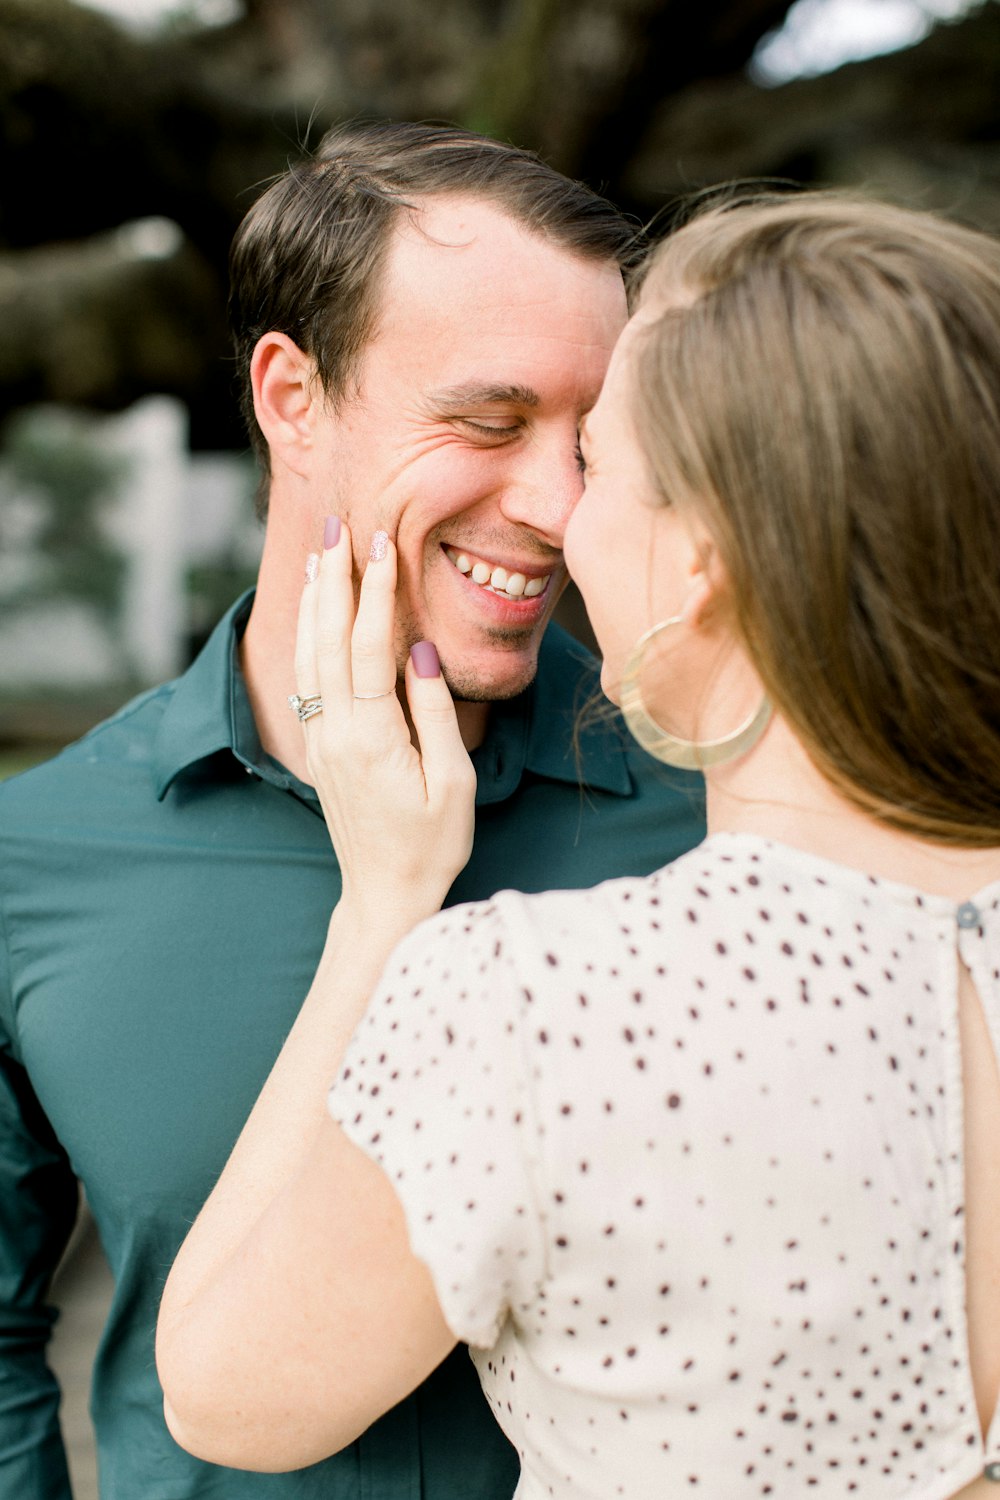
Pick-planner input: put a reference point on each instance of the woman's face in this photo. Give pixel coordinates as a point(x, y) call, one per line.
point(633, 558)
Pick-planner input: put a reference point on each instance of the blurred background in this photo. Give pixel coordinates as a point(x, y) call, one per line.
point(136, 133)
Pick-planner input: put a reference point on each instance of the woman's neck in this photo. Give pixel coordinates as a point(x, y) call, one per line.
point(777, 792)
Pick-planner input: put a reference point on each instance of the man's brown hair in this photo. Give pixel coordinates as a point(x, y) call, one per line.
point(308, 257)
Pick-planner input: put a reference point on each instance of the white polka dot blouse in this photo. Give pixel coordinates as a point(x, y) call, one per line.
point(684, 1157)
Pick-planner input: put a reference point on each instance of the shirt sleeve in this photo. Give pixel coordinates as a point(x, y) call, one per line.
point(434, 1088)
point(38, 1204)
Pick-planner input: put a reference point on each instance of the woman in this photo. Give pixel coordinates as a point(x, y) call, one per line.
point(704, 1166)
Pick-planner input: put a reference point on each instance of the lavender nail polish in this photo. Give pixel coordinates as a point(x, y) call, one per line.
point(425, 660)
point(380, 546)
point(312, 567)
point(331, 532)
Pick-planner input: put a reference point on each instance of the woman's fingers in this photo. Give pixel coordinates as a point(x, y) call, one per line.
point(340, 658)
point(335, 620)
point(305, 635)
point(400, 817)
point(326, 614)
point(448, 771)
point(373, 643)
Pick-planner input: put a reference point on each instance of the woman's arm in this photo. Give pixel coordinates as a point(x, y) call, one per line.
point(295, 1313)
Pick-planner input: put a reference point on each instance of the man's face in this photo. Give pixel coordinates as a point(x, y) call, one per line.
point(462, 439)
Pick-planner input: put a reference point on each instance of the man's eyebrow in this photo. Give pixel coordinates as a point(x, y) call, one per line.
point(476, 394)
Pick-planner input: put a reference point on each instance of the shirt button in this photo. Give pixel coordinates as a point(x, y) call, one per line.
point(992, 1471)
point(968, 916)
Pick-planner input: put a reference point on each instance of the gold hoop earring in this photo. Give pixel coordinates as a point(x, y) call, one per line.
point(686, 755)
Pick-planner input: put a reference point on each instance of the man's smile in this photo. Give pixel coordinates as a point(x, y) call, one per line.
point(514, 582)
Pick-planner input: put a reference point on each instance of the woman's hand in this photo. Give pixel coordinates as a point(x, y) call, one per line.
point(302, 1231)
point(399, 807)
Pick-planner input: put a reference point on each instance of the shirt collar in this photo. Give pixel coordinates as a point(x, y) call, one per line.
point(209, 712)
point(573, 735)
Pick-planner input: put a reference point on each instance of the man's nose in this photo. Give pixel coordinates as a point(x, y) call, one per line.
point(544, 489)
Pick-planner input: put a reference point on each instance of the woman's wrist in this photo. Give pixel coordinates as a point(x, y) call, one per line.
point(391, 911)
point(368, 929)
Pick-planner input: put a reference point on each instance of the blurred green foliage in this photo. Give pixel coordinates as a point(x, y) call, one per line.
point(57, 460)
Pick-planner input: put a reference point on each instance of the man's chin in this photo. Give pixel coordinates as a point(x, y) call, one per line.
point(468, 686)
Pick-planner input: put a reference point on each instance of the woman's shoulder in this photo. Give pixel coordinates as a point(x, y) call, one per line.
point(722, 878)
point(549, 924)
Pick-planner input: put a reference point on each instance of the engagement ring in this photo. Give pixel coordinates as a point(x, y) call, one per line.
point(305, 708)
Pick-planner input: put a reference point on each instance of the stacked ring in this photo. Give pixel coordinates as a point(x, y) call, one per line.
point(305, 708)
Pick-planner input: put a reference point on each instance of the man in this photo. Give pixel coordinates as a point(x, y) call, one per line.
point(422, 317)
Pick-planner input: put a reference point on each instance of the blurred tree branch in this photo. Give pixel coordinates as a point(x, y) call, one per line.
point(99, 128)
point(921, 125)
point(645, 98)
point(106, 321)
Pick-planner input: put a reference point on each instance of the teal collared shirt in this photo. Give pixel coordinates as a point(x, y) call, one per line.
point(164, 893)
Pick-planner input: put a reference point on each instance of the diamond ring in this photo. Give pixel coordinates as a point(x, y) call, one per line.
point(305, 708)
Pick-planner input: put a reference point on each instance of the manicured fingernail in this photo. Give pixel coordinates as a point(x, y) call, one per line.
point(331, 532)
point(424, 657)
point(380, 546)
point(312, 567)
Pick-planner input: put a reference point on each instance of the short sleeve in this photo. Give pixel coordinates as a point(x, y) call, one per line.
point(434, 1088)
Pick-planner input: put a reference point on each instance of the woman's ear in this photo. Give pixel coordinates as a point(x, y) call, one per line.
point(285, 394)
point(706, 588)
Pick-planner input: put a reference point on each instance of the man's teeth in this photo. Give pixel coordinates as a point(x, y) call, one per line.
point(498, 579)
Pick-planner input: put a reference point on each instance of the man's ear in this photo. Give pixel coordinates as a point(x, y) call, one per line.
point(286, 396)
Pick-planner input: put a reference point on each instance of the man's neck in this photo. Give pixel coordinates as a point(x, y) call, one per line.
point(473, 722)
point(267, 660)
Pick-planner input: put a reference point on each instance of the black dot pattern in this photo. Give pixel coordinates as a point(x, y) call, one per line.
point(684, 1157)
